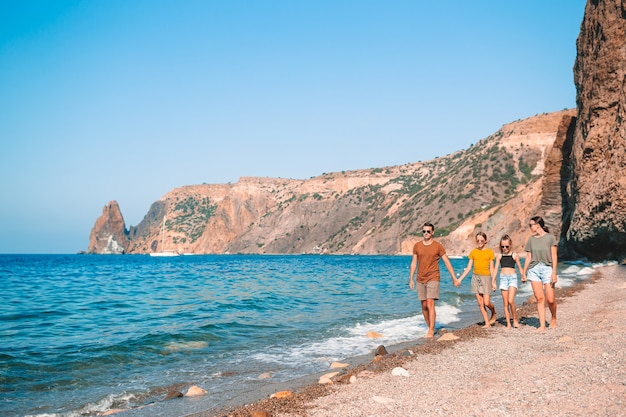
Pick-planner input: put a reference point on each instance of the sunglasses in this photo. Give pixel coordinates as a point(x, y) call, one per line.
point(504, 246)
point(427, 231)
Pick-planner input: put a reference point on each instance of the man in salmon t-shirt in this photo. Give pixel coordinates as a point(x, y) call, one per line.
point(426, 255)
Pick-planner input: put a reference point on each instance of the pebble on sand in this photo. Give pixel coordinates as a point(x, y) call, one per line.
point(282, 394)
point(339, 365)
point(447, 336)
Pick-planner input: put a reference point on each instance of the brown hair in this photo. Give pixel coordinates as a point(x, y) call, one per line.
point(540, 222)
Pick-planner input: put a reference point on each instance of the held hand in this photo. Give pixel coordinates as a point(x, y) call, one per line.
point(457, 283)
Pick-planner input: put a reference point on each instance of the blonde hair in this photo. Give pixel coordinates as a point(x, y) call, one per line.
point(506, 237)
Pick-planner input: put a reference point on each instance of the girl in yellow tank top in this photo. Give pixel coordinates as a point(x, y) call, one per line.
point(481, 258)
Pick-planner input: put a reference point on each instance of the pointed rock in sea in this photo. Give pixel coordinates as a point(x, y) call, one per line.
point(374, 335)
point(195, 391)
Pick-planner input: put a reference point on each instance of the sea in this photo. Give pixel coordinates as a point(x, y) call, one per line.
point(83, 335)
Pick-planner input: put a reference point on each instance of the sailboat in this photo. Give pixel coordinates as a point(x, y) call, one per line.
point(163, 251)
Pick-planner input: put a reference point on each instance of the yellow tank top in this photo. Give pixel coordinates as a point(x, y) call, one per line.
point(482, 259)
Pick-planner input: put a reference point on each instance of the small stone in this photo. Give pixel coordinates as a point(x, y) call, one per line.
point(339, 365)
point(447, 336)
point(265, 375)
point(381, 351)
point(382, 400)
point(352, 379)
point(261, 413)
point(399, 371)
point(282, 394)
point(173, 394)
point(195, 391)
point(324, 380)
point(374, 335)
point(113, 411)
point(328, 378)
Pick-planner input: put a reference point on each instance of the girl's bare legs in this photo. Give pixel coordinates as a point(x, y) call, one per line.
point(505, 301)
point(551, 304)
point(490, 306)
point(541, 303)
point(511, 296)
point(483, 311)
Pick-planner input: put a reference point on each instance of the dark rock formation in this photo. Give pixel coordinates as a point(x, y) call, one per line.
point(556, 177)
point(597, 223)
point(109, 234)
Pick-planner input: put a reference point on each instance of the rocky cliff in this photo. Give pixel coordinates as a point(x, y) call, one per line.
point(493, 186)
point(595, 224)
point(569, 167)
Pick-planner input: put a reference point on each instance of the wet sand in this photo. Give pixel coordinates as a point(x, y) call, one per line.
point(579, 368)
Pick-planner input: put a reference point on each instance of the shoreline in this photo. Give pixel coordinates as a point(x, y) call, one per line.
point(308, 395)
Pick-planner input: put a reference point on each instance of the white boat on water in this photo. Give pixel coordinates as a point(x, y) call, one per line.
point(163, 251)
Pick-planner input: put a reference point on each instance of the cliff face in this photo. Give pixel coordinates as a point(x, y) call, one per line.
point(493, 186)
point(596, 224)
point(109, 234)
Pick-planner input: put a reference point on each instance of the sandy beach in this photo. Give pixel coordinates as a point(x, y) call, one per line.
point(579, 368)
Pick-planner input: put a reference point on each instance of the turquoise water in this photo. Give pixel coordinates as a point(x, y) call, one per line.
point(82, 334)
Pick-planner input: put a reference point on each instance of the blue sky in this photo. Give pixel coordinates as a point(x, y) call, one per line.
point(127, 99)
